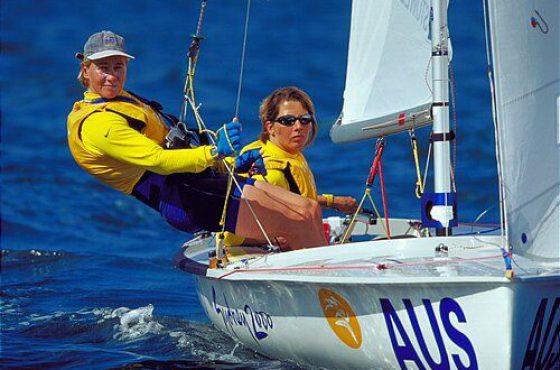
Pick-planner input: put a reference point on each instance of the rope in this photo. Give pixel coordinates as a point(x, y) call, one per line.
point(374, 169)
point(238, 100)
point(237, 185)
point(384, 199)
point(419, 185)
point(224, 211)
point(350, 225)
point(190, 101)
point(188, 89)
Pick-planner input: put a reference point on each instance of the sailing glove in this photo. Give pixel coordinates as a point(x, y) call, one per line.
point(228, 139)
point(250, 162)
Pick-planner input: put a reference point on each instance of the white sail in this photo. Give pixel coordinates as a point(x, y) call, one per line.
point(524, 44)
point(388, 69)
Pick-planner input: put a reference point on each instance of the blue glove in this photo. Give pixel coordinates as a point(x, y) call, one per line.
point(250, 161)
point(228, 140)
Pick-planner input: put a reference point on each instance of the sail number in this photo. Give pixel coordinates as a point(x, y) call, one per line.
point(543, 346)
point(402, 344)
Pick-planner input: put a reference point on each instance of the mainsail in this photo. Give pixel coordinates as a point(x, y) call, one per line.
point(525, 39)
point(388, 69)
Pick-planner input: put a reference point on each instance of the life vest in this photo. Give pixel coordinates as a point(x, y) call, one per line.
point(139, 115)
point(294, 168)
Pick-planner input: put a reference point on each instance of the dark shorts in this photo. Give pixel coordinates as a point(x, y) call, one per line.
point(191, 201)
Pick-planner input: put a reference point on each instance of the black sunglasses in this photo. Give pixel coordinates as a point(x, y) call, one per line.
point(290, 120)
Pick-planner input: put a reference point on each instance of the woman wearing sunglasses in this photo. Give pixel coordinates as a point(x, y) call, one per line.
point(288, 126)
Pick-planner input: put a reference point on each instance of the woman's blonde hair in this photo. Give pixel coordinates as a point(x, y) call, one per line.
point(81, 78)
point(269, 109)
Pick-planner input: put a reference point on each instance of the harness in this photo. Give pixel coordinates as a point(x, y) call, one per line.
point(291, 181)
point(178, 137)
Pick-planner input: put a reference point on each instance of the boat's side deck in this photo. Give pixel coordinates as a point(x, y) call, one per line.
point(474, 256)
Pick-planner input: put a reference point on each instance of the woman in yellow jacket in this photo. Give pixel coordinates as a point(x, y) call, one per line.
point(288, 126)
point(119, 138)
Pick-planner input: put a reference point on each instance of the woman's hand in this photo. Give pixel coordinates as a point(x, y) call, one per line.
point(228, 139)
point(345, 204)
point(250, 161)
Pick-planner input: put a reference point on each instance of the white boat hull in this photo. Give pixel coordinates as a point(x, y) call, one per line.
point(389, 304)
point(480, 325)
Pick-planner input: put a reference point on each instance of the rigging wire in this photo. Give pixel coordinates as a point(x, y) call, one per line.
point(240, 83)
point(189, 100)
point(234, 179)
point(501, 184)
point(427, 166)
point(453, 91)
point(188, 89)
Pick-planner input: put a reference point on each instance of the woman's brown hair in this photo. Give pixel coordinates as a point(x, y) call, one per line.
point(269, 108)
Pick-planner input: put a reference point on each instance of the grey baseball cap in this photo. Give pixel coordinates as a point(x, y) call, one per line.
point(102, 45)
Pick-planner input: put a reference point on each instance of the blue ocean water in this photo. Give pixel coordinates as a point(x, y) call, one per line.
point(87, 277)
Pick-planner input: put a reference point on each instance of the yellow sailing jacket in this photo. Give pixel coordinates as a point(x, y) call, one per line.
point(289, 171)
point(118, 141)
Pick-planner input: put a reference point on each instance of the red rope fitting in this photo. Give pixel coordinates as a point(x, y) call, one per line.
point(375, 164)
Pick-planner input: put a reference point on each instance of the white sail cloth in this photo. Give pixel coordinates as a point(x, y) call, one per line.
point(388, 69)
point(525, 41)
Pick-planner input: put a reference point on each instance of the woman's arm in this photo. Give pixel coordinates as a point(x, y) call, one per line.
point(109, 133)
point(339, 203)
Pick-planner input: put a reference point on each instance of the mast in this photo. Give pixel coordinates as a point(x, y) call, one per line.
point(443, 201)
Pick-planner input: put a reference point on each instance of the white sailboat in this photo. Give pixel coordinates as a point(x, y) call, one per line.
point(418, 301)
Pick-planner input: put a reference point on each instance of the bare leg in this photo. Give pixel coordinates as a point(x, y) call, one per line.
point(283, 214)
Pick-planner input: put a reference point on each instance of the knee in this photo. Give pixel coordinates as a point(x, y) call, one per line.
point(312, 211)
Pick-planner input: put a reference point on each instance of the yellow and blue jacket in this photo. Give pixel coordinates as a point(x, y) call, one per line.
point(289, 171)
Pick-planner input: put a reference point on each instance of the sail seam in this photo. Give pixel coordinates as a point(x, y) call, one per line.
point(529, 93)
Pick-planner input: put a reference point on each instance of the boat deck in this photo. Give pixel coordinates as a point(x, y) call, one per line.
point(455, 258)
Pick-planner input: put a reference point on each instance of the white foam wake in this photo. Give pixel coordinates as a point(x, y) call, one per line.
point(135, 324)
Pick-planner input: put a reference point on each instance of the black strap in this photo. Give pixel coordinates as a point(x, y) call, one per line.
point(152, 103)
point(291, 181)
point(444, 136)
point(169, 119)
point(440, 104)
point(134, 123)
point(81, 124)
point(117, 98)
point(172, 121)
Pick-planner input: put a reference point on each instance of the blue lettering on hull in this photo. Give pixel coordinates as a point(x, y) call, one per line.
point(406, 351)
point(257, 323)
point(543, 347)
